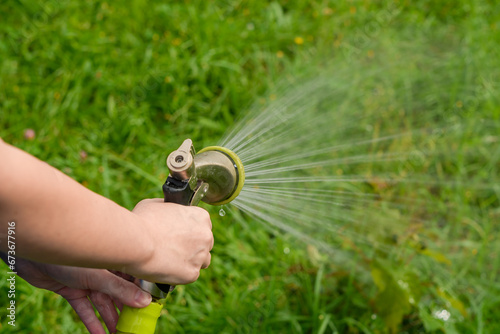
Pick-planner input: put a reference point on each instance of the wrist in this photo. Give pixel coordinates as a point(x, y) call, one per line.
point(143, 249)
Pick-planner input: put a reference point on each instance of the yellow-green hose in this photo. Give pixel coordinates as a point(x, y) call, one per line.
point(139, 320)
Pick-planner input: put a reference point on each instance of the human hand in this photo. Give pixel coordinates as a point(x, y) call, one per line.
point(181, 238)
point(82, 287)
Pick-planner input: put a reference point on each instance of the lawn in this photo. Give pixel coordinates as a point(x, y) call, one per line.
point(110, 89)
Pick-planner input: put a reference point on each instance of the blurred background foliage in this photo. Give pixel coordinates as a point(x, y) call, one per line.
point(110, 88)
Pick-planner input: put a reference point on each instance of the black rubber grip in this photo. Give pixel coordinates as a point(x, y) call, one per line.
point(175, 191)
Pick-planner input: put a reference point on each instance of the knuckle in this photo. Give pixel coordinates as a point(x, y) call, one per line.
point(208, 236)
point(144, 202)
point(116, 287)
point(121, 286)
point(206, 216)
point(193, 276)
point(203, 214)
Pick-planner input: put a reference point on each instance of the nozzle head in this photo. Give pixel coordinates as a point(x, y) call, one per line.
point(222, 169)
point(215, 175)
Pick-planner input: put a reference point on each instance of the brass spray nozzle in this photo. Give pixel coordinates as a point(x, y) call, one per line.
point(215, 175)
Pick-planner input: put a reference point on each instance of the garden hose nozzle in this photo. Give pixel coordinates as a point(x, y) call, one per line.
point(216, 176)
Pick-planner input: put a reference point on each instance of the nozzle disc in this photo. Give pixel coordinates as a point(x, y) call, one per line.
point(240, 171)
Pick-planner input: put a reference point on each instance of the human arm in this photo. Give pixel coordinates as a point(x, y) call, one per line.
point(61, 222)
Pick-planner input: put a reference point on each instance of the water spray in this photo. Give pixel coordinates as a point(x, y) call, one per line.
point(214, 175)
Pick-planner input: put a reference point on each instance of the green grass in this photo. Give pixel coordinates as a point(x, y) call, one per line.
point(127, 81)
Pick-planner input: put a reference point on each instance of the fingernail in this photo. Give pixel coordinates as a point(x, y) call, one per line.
point(143, 298)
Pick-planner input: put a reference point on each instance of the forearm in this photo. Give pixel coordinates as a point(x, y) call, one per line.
point(54, 213)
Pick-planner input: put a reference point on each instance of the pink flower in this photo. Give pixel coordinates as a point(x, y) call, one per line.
point(83, 155)
point(29, 134)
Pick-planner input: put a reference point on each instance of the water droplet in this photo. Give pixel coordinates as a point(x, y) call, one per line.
point(222, 213)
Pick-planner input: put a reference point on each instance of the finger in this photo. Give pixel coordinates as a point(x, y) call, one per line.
point(127, 277)
point(206, 263)
point(118, 304)
point(202, 215)
point(119, 289)
point(153, 200)
point(85, 311)
point(207, 218)
point(106, 308)
point(79, 301)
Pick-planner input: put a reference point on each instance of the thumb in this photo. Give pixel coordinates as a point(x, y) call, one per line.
point(120, 289)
